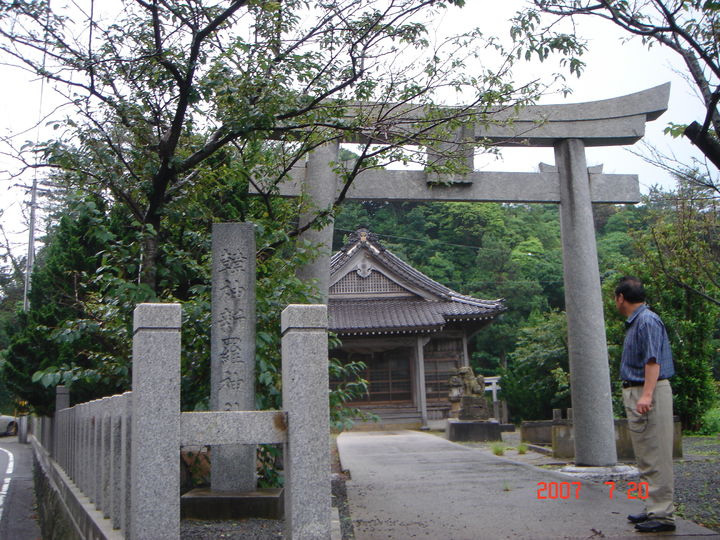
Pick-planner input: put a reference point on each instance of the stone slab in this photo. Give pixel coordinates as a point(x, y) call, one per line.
point(538, 431)
point(232, 427)
point(307, 451)
point(472, 431)
point(204, 503)
point(155, 469)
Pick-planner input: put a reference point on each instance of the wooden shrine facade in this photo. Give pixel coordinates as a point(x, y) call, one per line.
point(409, 330)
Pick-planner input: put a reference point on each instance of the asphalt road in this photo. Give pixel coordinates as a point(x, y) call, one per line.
point(17, 499)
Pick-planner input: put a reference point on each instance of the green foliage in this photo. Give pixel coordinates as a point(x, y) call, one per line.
point(63, 331)
point(536, 378)
point(710, 424)
point(268, 475)
point(351, 387)
point(165, 95)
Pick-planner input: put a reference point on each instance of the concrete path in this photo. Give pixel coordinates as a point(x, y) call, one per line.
point(407, 484)
point(17, 499)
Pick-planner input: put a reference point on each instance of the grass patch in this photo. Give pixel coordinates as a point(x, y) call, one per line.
point(498, 449)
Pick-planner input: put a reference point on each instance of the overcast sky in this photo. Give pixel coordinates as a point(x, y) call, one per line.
point(614, 68)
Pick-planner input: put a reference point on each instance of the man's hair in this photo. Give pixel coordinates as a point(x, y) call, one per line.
point(631, 288)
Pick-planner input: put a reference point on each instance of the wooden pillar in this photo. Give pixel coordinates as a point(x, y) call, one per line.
point(420, 378)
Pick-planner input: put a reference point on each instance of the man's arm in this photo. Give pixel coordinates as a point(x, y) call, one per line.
point(652, 372)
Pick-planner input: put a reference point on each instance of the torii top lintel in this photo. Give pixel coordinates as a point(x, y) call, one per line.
point(609, 122)
point(616, 121)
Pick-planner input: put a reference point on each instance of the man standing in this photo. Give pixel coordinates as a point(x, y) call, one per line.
point(645, 369)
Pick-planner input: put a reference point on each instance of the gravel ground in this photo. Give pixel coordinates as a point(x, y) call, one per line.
point(250, 529)
point(697, 496)
point(697, 481)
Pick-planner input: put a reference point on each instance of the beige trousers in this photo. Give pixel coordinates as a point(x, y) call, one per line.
point(652, 440)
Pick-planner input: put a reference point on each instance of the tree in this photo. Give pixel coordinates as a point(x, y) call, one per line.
point(176, 108)
point(537, 377)
point(683, 241)
point(162, 93)
point(61, 292)
point(687, 27)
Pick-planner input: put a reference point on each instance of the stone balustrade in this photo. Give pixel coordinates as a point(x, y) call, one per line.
point(117, 459)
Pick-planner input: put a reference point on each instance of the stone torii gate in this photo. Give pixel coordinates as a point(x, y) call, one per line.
point(568, 128)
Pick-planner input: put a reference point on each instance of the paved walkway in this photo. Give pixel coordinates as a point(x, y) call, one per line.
point(17, 500)
point(407, 484)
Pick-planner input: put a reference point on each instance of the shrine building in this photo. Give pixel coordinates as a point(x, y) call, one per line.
point(408, 329)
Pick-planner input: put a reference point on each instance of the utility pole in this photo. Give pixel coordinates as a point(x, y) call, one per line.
point(31, 245)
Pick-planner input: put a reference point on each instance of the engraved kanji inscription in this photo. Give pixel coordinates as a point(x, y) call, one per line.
point(229, 319)
point(232, 261)
point(231, 351)
point(233, 288)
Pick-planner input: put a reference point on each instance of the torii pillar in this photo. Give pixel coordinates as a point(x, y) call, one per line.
point(319, 186)
point(568, 128)
point(591, 392)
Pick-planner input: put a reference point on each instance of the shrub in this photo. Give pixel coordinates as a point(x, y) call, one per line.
point(710, 423)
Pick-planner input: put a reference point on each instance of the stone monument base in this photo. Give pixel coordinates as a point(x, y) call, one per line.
point(203, 503)
point(472, 430)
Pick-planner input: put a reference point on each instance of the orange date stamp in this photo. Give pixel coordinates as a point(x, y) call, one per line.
point(571, 490)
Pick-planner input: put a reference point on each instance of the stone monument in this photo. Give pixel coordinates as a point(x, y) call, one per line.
point(232, 347)
point(233, 490)
point(469, 413)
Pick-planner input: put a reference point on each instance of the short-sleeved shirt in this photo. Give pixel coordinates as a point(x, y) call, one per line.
point(645, 338)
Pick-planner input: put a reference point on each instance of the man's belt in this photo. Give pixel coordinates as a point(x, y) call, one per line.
point(630, 384)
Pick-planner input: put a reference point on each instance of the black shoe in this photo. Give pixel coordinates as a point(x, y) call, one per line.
point(655, 526)
point(638, 518)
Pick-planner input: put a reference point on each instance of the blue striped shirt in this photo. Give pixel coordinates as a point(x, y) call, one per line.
point(645, 338)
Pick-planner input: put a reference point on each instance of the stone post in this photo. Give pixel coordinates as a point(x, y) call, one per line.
point(155, 454)
point(62, 401)
point(23, 429)
point(589, 371)
point(62, 398)
point(232, 344)
point(319, 187)
point(305, 398)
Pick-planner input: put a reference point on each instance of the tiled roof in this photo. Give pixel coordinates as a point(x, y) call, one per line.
point(400, 315)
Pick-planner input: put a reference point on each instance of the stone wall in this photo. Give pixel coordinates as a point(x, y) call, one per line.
point(64, 512)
